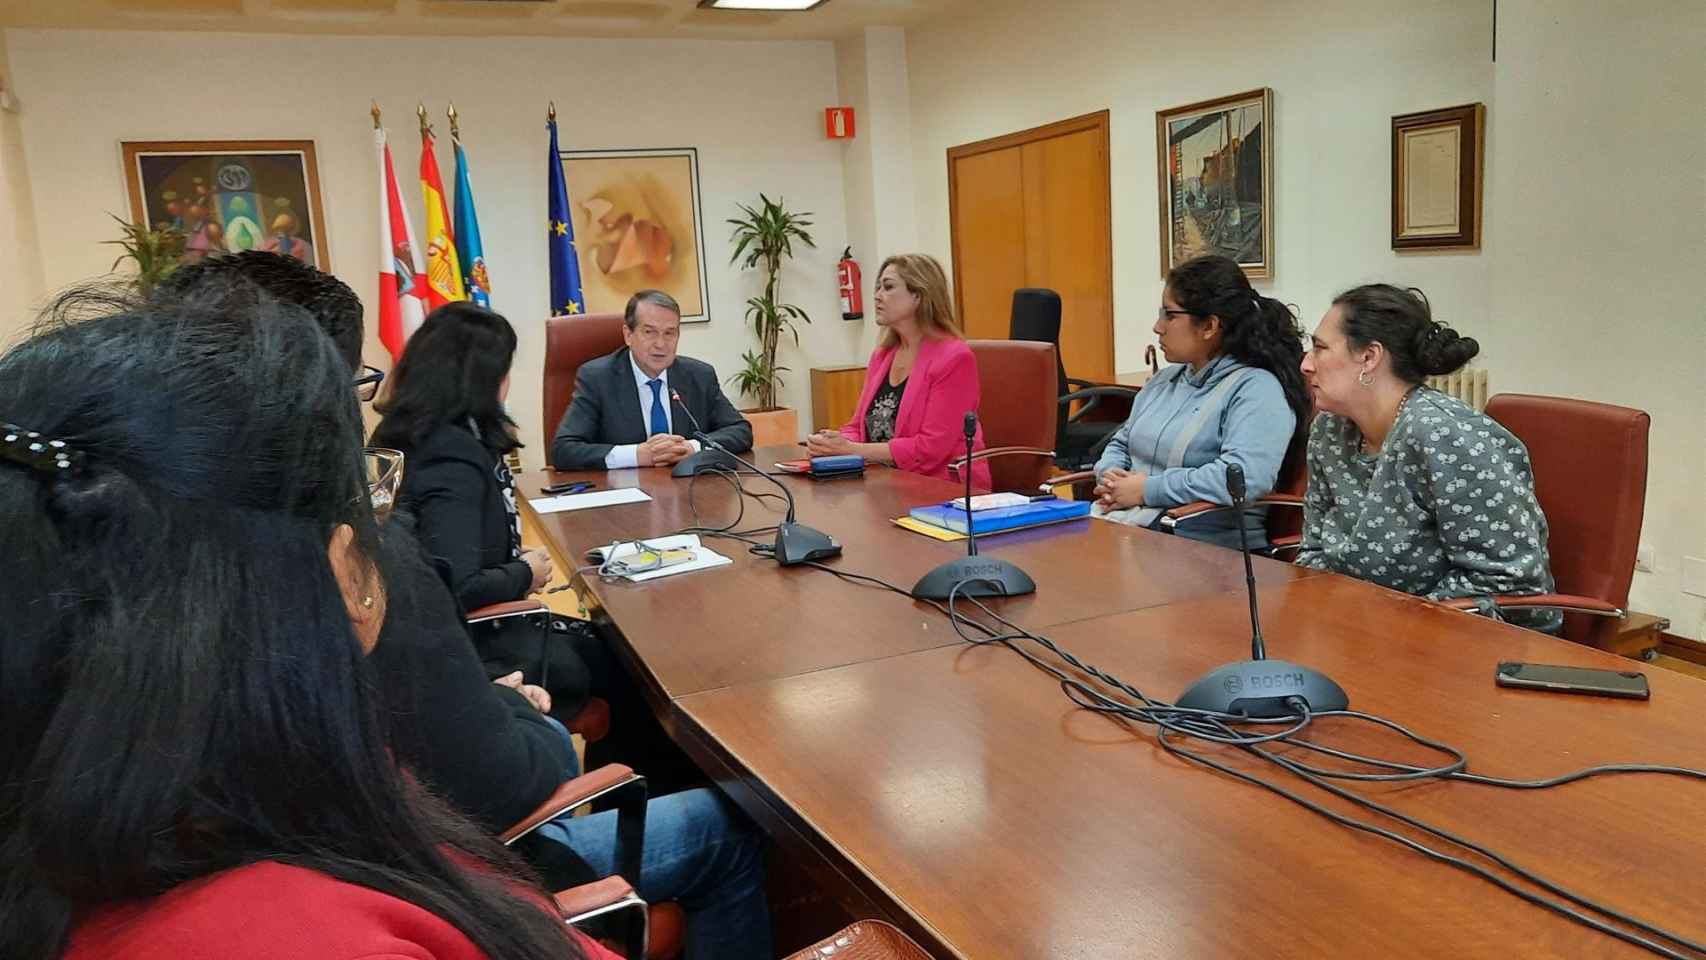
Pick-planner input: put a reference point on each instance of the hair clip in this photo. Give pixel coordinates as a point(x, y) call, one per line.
point(31, 449)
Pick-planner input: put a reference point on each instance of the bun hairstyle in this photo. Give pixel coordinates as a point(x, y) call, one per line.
point(1255, 330)
point(1401, 321)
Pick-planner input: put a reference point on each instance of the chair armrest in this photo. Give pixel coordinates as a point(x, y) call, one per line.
point(955, 466)
point(1092, 395)
point(600, 898)
point(865, 940)
point(1558, 601)
point(1197, 508)
point(1065, 480)
point(499, 611)
point(571, 794)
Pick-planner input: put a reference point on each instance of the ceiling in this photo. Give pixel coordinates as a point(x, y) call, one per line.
point(585, 18)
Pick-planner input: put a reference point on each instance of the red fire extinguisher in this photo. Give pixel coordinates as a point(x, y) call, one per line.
point(852, 299)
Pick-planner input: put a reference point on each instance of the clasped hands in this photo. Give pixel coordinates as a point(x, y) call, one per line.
point(534, 694)
point(663, 450)
point(1118, 488)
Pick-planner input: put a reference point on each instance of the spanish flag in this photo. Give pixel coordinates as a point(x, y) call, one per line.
point(443, 271)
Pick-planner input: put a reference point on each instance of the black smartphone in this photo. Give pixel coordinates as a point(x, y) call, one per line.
point(577, 486)
point(1629, 684)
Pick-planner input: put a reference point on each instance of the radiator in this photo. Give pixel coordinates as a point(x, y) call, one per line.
point(1468, 385)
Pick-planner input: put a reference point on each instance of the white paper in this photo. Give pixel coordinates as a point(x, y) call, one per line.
point(704, 558)
point(585, 501)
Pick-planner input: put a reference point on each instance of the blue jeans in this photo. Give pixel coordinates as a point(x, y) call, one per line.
point(699, 853)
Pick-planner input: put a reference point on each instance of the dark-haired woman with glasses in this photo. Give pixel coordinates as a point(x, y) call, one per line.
point(194, 764)
point(1233, 395)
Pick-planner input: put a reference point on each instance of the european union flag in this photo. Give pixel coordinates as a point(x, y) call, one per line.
point(565, 266)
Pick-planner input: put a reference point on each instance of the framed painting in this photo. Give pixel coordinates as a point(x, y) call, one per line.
point(638, 225)
point(1437, 160)
point(228, 196)
point(1215, 161)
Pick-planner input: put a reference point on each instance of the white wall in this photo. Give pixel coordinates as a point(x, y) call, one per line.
point(1600, 231)
point(754, 111)
point(1339, 69)
point(21, 283)
point(1595, 207)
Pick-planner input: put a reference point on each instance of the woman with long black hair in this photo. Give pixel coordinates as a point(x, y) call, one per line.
point(1233, 395)
point(194, 764)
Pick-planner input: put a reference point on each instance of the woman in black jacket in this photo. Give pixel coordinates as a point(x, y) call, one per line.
point(445, 413)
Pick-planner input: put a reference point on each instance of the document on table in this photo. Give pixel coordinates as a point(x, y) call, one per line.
point(703, 557)
point(586, 501)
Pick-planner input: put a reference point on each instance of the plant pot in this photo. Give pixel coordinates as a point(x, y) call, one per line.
point(776, 426)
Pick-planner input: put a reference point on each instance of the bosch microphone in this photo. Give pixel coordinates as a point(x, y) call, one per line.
point(1259, 687)
point(795, 542)
point(974, 576)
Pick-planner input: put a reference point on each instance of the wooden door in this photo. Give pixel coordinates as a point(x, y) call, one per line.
point(1031, 209)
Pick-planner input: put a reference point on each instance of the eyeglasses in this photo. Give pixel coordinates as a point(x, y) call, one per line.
point(383, 471)
point(1163, 314)
point(367, 384)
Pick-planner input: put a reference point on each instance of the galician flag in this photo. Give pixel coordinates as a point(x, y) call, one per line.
point(469, 252)
point(443, 272)
point(560, 234)
point(400, 278)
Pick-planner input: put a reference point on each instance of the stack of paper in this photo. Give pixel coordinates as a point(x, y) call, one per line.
point(584, 501)
point(704, 558)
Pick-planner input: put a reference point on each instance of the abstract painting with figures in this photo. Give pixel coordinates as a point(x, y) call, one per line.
point(1216, 181)
point(228, 196)
point(638, 226)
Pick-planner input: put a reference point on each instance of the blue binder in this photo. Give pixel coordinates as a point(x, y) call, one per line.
point(1032, 514)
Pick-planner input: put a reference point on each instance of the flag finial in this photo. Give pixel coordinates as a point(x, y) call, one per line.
point(455, 131)
point(420, 111)
point(376, 114)
point(551, 112)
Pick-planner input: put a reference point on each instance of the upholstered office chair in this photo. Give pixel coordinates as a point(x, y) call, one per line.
point(1017, 410)
point(1594, 521)
point(569, 342)
point(865, 940)
point(654, 932)
point(1079, 435)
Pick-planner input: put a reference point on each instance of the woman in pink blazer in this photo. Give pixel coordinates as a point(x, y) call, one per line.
point(921, 380)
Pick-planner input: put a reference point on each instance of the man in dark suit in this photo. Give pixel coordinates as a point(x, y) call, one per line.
point(623, 414)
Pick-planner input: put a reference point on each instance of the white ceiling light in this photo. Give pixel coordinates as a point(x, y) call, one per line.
point(761, 4)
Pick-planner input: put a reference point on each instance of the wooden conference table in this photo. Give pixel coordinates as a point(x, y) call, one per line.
point(955, 791)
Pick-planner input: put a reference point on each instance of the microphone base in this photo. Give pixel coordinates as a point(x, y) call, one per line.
point(798, 543)
point(978, 576)
point(1260, 688)
point(707, 460)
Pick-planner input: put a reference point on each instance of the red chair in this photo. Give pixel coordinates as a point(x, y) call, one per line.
point(1594, 529)
point(569, 342)
point(656, 932)
point(1017, 409)
point(865, 940)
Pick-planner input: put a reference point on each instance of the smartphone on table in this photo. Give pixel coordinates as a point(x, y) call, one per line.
point(1628, 684)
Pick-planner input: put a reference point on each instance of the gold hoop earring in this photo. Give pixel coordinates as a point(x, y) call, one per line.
point(1363, 378)
point(367, 601)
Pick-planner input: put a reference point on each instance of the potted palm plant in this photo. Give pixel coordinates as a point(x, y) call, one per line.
point(156, 252)
point(765, 236)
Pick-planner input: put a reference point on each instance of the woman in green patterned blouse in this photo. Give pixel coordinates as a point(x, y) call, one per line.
point(1408, 487)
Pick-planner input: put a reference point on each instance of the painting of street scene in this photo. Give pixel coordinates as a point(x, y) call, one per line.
point(1215, 181)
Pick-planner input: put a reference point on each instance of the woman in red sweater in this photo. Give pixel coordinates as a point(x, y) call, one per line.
point(194, 764)
point(920, 382)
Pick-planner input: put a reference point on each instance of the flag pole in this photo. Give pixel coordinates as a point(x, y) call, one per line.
point(455, 131)
point(376, 114)
point(551, 111)
point(426, 128)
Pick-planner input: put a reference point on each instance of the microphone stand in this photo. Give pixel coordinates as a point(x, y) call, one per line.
point(1259, 687)
point(795, 542)
point(710, 457)
point(974, 576)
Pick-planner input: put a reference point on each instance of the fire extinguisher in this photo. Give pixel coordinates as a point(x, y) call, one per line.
point(852, 299)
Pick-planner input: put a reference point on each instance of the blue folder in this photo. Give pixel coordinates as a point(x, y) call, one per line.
point(1033, 514)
